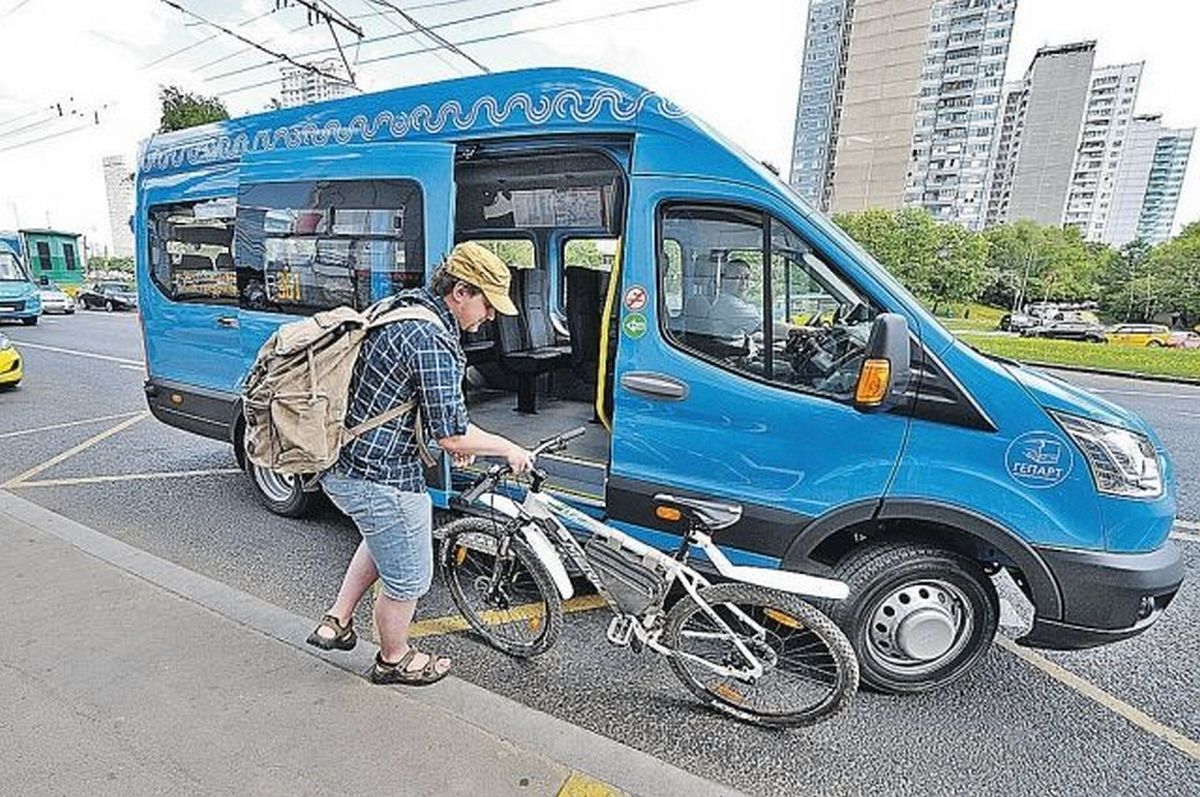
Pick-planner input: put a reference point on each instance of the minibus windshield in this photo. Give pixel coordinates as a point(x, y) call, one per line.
point(10, 269)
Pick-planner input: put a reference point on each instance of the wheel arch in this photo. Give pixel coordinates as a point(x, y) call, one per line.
point(237, 434)
point(829, 537)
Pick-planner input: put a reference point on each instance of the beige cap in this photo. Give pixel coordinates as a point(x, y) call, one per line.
point(480, 267)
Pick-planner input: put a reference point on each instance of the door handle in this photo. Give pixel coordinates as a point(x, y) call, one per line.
point(227, 321)
point(655, 385)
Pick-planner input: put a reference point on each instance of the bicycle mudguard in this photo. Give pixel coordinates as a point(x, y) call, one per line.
point(782, 580)
point(538, 543)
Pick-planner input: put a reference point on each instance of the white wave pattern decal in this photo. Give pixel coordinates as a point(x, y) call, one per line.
point(487, 111)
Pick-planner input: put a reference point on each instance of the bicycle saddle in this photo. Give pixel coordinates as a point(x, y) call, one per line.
point(713, 514)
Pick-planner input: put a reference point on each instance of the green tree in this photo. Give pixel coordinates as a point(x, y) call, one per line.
point(1172, 279)
point(101, 263)
point(182, 109)
point(1118, 281)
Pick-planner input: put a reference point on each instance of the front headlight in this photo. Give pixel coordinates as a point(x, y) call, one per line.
point(1122, 462)
point(5, 344)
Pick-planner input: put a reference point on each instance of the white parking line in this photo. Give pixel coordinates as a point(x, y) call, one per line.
point(1190, 525)
point(1141, 719)
point(1183, 535)
point(92, 355)
point(84, 422)
point(140, 368)
point(127, 477)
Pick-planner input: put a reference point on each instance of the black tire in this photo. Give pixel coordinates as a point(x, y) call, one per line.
point(281, 494)
point(1154, 344)
point(523, 619)
point(821, 656)
point(919, 617)
point(30, 322)
point(108, 306)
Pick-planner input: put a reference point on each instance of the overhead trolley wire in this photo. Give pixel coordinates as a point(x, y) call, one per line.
point(436, 37)
point(383, 14)
point(387, 37)
point(256, 45)
point(205, 40)
point(493, 37)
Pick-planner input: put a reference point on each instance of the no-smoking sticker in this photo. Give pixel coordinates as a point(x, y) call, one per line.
point(635, 298)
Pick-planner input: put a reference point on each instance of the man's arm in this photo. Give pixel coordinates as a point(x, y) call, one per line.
point(477, 442)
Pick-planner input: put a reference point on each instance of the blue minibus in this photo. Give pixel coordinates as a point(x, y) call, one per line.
point(714, 331)
point(19, 297)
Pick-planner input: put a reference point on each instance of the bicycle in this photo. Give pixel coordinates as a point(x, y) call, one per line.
point(743, 647)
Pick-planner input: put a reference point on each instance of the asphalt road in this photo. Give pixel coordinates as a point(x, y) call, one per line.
point(1009, 728)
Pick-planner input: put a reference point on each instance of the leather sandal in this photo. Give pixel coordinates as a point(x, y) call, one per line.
point(343, 637)
point(387, 673)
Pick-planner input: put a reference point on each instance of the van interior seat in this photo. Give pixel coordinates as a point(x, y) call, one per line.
point(528, 347)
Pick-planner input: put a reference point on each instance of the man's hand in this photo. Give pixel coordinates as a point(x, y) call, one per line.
point(519, 459)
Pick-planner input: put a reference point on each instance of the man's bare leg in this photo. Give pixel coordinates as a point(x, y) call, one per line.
point(360, 575)
point(393, 619)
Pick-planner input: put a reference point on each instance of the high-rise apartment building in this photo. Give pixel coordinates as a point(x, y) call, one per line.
point(118, 188)
point(1107, 113)
point(1133, 175)
point(899, 104)
point(820, 90)
point(301, 86)
point(1167, 170)
point(1039, 136)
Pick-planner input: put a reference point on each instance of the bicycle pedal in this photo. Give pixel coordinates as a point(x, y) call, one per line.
point(620, 630)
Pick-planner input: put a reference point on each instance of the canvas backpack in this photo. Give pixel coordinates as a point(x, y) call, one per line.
point(298, 391)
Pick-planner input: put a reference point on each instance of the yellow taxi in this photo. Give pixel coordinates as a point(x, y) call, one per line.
point(1153, 335)
point(10, 364)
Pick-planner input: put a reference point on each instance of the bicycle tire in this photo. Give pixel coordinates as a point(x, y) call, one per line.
point(539, 609)
point(818, 649)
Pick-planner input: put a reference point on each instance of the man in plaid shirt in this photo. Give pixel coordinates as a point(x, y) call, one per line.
point(379, 481)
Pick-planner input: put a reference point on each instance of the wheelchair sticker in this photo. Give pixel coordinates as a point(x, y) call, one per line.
point(1039, 460)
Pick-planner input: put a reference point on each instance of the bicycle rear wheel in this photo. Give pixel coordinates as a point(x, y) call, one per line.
point(809, 668)
point(509, 599)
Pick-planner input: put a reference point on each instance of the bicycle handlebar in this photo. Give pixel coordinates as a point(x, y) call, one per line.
point(498, 471)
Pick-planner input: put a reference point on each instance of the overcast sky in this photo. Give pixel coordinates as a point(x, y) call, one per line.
point(736, 63)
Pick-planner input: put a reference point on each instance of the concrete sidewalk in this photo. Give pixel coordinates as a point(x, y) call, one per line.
point(124, 674)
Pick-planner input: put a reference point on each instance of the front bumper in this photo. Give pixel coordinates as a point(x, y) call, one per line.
point(10, 367)
point(1106, 597)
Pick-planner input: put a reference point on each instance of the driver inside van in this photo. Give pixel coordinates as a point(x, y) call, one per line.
point(731, 315)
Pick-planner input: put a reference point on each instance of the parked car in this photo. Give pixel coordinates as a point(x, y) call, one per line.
point(1017, 322)
point(19, 298)
point(10, 364)
point(1153, 335)
point(1183, 339)
point(109, 296)
point(1068, 329)
point(53, 298)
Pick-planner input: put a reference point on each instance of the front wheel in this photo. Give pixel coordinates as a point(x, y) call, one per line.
point(30, 322)
point(809, 670)
point(501, 587)
point(918, 616)
point(281, 493)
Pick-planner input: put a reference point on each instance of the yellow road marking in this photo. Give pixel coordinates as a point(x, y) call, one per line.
point(127, 477)
point(436, 626)
point(70, 452)
point(580, 785)
point(1179, 741)
point(84, 422)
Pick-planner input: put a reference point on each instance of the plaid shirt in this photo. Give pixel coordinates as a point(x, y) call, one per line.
point(407, 360)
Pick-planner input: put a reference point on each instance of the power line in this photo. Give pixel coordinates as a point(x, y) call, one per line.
point(31, 142)
point(205, 40)
point(390, 36)
point(494, 37)
point(383, 14)
point(15, 9)
point(256, 45)
point(437, 38)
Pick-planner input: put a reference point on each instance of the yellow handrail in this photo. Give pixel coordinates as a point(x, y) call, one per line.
point(614, 281)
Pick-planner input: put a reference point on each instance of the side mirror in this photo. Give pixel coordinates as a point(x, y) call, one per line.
point(884, 375)
point(43, 280)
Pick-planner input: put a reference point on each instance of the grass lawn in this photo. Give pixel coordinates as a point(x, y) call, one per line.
point(1159, 362)
point(978, 317)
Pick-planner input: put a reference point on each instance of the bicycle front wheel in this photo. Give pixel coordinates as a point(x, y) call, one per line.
point(508, 598)
point(809, 671)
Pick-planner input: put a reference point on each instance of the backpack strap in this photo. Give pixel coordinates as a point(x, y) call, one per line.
point(378, 316)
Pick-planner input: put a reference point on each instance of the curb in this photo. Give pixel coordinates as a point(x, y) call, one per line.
point(1178, 380)
point(603, 765)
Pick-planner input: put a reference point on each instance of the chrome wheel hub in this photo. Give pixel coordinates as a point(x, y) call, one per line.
point(918, 626)
point(275, 486)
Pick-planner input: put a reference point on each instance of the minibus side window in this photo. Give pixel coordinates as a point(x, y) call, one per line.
point(311, 245)
point(797, 324)
point(190, 251)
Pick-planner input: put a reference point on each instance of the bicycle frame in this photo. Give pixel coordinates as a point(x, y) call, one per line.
point(540, 513)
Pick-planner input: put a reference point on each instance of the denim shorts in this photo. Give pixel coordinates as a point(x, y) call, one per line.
point(397, 527)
